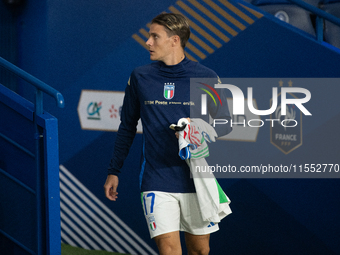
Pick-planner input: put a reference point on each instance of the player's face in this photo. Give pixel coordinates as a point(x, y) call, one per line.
point(159, 43)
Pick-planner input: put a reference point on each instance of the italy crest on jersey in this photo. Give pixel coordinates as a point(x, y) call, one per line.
point(152, 223)
point(169, 90)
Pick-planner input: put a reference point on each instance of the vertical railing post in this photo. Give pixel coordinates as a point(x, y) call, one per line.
point(42, 212)
point(38, 110)
point(319, 28)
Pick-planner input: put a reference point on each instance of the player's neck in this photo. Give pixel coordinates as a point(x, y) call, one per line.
point(175, 58)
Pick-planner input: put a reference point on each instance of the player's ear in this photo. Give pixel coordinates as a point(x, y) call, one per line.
point(176, 40)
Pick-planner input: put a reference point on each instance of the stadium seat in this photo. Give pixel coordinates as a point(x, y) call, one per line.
point(291, 14)
point(276, 2)
point(332, 31)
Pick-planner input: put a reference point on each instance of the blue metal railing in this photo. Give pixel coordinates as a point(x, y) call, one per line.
point(35, 82)
point(321, 15)
point(38, 110)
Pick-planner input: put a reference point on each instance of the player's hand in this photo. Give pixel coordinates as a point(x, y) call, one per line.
point(177, 134)
point(110, 187)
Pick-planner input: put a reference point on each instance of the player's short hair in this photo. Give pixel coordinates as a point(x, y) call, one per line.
point(174, 24)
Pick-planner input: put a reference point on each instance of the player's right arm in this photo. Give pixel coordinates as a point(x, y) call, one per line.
point(130, 115)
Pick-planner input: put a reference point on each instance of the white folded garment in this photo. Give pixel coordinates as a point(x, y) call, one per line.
point(193, 147)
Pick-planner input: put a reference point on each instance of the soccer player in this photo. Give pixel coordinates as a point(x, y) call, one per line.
point(159, 95)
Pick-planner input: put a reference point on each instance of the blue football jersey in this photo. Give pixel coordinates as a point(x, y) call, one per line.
point(159, 95)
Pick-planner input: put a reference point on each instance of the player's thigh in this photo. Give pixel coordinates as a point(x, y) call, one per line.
point(162, 212)
point(169, 243)
point(197, 244)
